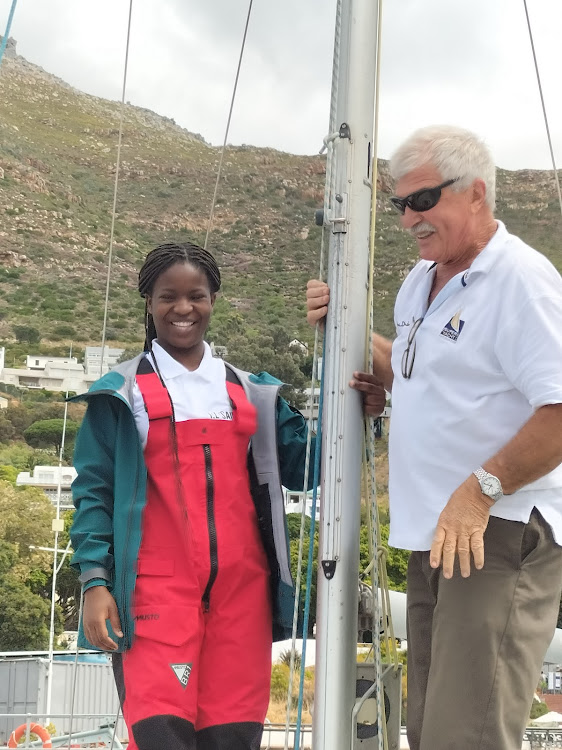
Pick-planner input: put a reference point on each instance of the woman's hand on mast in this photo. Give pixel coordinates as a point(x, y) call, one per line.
point(99, 606)
point(372, 392)
point(317, 299)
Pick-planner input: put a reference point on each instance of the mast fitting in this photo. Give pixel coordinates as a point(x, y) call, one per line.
point(329, 568)
point(345, 132)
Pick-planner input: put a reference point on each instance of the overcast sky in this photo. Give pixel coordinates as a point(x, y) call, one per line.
point(466, 62)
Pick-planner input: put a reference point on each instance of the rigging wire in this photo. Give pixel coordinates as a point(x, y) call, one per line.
point(75, 669)
point(115, 187)
point(104, 328)
point(556, 177)
point(302, 527)
point(7, 32)
point(219, 171)
point(309, 571)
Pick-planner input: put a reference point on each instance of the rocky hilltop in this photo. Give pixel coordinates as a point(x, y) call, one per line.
point(57, 171)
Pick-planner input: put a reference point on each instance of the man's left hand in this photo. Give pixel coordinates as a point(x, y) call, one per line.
point(460, 529)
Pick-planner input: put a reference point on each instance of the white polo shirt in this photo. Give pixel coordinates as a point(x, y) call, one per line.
point(196, 394)
point(488, 354)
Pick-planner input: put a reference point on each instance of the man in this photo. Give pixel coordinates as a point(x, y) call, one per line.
point(475, 447)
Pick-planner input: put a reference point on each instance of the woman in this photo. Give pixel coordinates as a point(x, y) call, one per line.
point(179, 531)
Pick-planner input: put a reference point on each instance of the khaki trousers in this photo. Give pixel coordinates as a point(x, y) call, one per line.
point(476, 645)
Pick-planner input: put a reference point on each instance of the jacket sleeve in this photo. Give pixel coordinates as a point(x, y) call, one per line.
point(92, 492)
point(292, 432)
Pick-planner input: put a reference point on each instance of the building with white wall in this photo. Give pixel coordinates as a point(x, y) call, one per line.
point(47, 478)
point(311, 406)
point(53, 376)
point(294, 502)
point(92, 360)
point(40, 362)
point(59, 373)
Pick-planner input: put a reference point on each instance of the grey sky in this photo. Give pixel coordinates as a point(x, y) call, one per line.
point(466, 62)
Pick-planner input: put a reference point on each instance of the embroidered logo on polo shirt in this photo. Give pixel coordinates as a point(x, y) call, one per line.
point(454, 327)
point(182, 672)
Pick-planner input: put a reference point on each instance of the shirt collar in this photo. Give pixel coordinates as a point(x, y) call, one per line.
point(487, 257)
point(171, 368)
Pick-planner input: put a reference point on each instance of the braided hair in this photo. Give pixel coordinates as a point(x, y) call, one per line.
point(156, 262)
point(159, 260)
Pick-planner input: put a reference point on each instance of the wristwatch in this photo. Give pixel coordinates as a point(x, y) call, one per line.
point(489, 484)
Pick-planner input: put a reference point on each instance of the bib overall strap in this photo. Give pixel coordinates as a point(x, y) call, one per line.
point(155, 396)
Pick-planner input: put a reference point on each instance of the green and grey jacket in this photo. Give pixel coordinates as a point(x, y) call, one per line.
point(110, 489)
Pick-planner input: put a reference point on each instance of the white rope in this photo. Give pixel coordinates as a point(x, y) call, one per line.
point(556, 177)
point(378, 578)
point(115, 727)
point(115, 186)
point(219, 171)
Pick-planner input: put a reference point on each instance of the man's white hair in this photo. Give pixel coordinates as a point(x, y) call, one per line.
point(454, 152)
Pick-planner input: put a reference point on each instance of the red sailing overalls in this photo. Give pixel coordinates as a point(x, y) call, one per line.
point(198, 673)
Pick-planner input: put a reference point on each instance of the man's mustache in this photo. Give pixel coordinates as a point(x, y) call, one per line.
point(422, 228)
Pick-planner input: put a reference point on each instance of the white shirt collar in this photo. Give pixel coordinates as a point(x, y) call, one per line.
point(488, 255)
point(171, 368)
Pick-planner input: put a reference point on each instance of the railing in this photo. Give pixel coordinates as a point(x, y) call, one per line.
point(103, 735)
point(539, 738)
point(274, 736)
point(535, 738)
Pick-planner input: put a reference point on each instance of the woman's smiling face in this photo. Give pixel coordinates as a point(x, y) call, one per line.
point(181, 304)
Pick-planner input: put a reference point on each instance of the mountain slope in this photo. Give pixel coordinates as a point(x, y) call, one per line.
point(57, 170)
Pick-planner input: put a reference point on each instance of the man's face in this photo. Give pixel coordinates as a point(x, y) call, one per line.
point(446, 232)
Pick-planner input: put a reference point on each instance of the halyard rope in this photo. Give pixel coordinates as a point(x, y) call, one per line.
point(115, 187)
point(219, 170)
point(556, 177)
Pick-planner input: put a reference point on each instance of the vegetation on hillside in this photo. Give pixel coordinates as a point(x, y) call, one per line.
point(57, 168)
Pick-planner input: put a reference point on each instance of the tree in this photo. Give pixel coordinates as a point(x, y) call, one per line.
point(20, 416)
point(26, 520)
point(129, 353)
point(8, 473)
point(538, 709)
point(17, 455)
point(48, 432)
point(7, 431)
point(25, 523)
point(24, 617)
point(259, 354)
point(294, 524)
point(22, 456)
point(68, 585)
point(27, 334)
point(64, 331)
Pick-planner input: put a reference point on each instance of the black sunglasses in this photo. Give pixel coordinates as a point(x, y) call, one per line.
point(421, 200)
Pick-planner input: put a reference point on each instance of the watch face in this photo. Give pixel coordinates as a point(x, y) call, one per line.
point(491, 486)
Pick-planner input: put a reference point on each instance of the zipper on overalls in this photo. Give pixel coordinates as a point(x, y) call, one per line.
point(211, 526)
